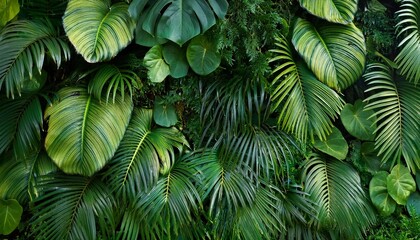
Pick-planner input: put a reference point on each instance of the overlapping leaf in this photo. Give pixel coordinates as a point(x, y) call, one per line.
point(8, 10)
point(338, 11)
point(379, 195)
point(10, 214)
point(335, 53)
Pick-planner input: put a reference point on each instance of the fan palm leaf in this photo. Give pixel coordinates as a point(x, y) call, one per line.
point(21, 124)
point(83, 133)
point(338, 11)
point(117, 79)
point(397, 109)
point(71, 207)
point(306, 105)
point(97, 29)
point(168, 206)
point(143, 153)
point(23, 45)
point(408, 59)
point(335, 53)
point(336, 188)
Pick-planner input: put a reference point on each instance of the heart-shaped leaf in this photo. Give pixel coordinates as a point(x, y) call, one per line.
point(164, 114)
point(178, 20)
point(157, 68)
point(400, 184)
point(357, 121)
point(338, 11)
point(335, 53)
point(379, 195)
point(413, 204)
point(175, 57)
point(10, 214)
point(84, 132)
point(202, 56)
point(97, 29)
point(8, 10)
point(335, 145)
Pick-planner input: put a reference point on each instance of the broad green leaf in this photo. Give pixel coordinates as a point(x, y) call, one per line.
point(370, 158)
point(178, 20)
point(338, 11)
point(8, 10)
point(202, 56)
point(97, 29)
point(175, 57)
point(10, 214)
point(358, 122)
point(335, 145)
point(379, 194)
point(24, 46)
point(157, 68)
point(83, 132)
point(400, 184)
point(413, 204)
point(164, 114)
point(335, 53)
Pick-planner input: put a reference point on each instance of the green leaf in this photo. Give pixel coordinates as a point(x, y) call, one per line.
point(10, 214)
point(418, 180)
point(335, 145)
point(83, 133)
point(177, 60)
point(202, 56)
point(164, 114)
point(335, 53)
point(24, 46)
point(157, 68)
point(178, 20)
point(338, 11)
point(358, 122)
point(36, 83)
point(413, 204)
point(8, 10)
point(400, 184)
point(370, 158)
point(379, 195)
point(97, 29)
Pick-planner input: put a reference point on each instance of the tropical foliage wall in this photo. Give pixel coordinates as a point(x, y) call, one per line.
point(209, 119)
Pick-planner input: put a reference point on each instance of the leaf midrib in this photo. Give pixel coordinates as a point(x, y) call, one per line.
point(134, 156)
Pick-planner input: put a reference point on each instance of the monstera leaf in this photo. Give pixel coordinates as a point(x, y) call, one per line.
point(335, 145)
point(97, 29)
point(338, 11)
point(358, 122)
point(335, 53)
point(8, 10)
point(10, 214)
point(202, 56)
point(379, 194)
point(400, 184)
point(83, 133)
point(157, 68)
point(177, 20)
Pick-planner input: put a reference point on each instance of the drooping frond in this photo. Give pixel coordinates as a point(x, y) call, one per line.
point(73, 207)
point(306, 106)
point(83, 132)
point(144, 152)
point(336, 188)
point(23, 46)
point(408, 59)
point(397, 108)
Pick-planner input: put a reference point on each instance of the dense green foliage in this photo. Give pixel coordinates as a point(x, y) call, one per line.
point(209, 119)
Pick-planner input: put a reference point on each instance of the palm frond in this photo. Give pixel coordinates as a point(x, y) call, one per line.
point(114, 79)
point(338, 11)
point(143, 153)
point(397, 107)
point(21, 124)
point(97, 29)
point(72, 207)
point(408, 59)
point(83, 133)
point(306, 106)
point(336, 188)
point(168, 206)
point(23, 45)
point(335, 53)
